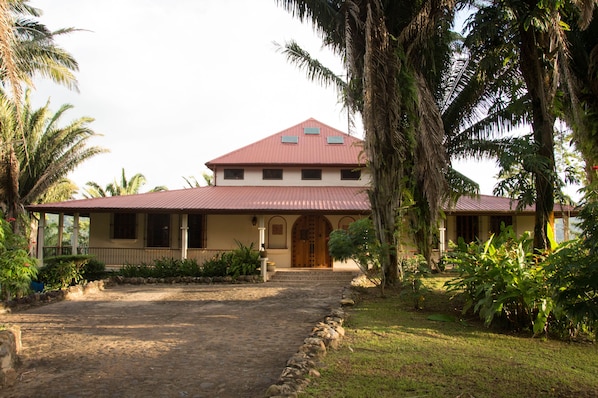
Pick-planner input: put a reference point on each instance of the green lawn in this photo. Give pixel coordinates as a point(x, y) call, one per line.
point(393, 350)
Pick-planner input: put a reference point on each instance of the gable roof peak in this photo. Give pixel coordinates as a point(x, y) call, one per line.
point(310, 142)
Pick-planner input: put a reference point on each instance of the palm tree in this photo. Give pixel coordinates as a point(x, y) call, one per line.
point(584, 70)
point(532, 34)
point(50, 151)
point(124, 187)
point(26, 48)
point(386, 45)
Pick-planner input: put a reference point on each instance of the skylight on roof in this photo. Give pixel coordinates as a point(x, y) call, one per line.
point(311, 130)
point(333, 139)
point(290, 139)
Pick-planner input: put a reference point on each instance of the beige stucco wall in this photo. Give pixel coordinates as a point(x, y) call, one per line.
point(223, 232)
point(292, 177)
point(521, 224)
point(99, 232)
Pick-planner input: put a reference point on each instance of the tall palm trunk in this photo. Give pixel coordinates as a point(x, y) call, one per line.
point(384, 146)
point(538, 67)
point(10, 183)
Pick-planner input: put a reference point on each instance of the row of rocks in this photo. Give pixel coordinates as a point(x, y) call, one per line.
point(302, 366)
point(50, 296)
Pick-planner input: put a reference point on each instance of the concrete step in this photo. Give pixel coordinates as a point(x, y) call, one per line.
point(313, 276)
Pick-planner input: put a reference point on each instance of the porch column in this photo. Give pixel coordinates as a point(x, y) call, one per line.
point(262, 236)
point(184, 236)
point(441, 238)
point(60, 232)
point(40, 237)
point(75, 237)
point(262, 246)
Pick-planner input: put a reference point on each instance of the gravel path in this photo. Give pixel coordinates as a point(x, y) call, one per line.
point(167, 340)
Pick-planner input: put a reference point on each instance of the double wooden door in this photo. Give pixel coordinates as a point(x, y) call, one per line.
point(310, 242)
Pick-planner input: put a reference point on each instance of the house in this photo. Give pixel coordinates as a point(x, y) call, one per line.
point(284, 193)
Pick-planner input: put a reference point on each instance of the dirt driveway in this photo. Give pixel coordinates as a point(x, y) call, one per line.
point(167, 340)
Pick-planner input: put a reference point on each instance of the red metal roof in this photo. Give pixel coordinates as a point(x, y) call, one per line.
point(263, 199)
point(313, 149)
point(496, 204)
point(224, 199)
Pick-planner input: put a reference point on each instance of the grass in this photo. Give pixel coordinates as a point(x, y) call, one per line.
point(392, 349)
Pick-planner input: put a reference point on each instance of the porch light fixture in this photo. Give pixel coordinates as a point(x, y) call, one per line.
point(254, 221)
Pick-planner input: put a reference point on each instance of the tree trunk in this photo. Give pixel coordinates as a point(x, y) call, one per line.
point(538, 66)
point(10, 187)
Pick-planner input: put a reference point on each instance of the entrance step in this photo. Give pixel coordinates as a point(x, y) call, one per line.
point(310, 276)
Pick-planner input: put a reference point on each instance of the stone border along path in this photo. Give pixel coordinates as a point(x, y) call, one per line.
point(179, 340)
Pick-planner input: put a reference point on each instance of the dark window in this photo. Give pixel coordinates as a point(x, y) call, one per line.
point(467, 228)
point(311, 174)
point(497, 221)
point(234, 174)
point(158, 230)
point(272, 174)
point(350, 174)
point(196, 232)
point(124, 226)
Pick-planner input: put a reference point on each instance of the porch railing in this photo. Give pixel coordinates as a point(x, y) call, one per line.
point(117, 257)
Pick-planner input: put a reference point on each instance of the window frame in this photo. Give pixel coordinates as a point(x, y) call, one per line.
point(124, 226)
point(275, 173)
point(350, 174)
point(305, 172)
point(234, 174)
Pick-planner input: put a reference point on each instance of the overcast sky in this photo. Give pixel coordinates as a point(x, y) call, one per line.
point(174, 84)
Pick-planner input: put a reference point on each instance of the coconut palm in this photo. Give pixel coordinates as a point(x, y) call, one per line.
point(124, 187)
point(27, 48)
point(532, 34)
point(584, 70)
point(387, 46)
point(50, 151)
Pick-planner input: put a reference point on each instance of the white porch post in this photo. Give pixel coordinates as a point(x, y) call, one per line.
point(184, 236)
point(441, 240)
point(40, 237)
point(262, 246)
point(75, 237)
point(60, 232)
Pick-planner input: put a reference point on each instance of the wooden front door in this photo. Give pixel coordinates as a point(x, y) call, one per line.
point(310, 242)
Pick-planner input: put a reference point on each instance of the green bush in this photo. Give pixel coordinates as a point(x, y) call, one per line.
point(215, 266)
point(503, 282)
point(162, 268)
point(242, 261)
point(94, 270)
point(17, 268)
point(574, 271)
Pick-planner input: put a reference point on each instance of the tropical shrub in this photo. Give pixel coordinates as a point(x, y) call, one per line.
point(17, 268)
point(94, 269)
point(503, 281)
point(60, 272)
point(574, 270)
point(242, 261)
point(162, 268)
point(358, 243)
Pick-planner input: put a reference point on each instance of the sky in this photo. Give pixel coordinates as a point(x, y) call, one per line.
point(174, 84)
